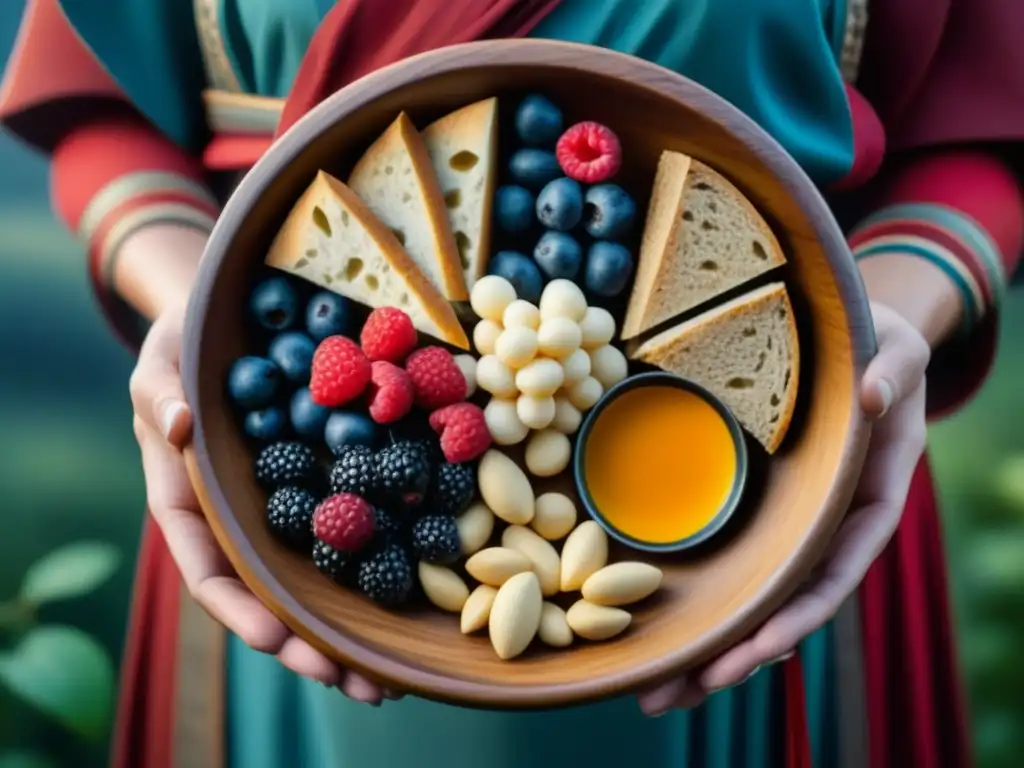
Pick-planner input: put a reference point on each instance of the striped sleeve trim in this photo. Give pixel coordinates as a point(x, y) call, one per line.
point(132, 186)
point(136, 214)
point(947, 239)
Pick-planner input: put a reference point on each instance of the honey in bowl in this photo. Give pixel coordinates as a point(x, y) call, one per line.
point(661, 463)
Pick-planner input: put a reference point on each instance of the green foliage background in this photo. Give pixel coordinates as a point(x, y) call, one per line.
point(70, 468)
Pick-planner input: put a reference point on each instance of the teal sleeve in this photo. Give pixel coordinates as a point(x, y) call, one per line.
point(151, 49)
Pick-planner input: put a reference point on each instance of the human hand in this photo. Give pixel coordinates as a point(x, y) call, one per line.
point(163, 426)
point(893, 394)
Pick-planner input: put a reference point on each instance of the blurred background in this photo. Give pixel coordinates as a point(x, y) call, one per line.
point(71, 500)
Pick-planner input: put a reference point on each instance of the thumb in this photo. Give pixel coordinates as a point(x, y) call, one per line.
point(155, 387)
point(897, 368)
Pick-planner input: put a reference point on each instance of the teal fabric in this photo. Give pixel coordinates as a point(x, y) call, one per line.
point(151, 50)
point(780, 67)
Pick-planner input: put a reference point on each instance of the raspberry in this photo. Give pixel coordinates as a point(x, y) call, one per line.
point(436, 378)
point(463, 430)
point(391, 393)
point(388, 334)
point(344, 522)
point(340, 372)
point(589, 152)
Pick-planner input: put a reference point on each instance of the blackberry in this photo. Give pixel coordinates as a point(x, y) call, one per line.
point(330, 561)
point(385, 575)
point(403, 470)
point(454, 489)
point(355, 471)
point(290, 515)
point(431, 448)
point(387, 524)
point(285, 463)
point(435, 538)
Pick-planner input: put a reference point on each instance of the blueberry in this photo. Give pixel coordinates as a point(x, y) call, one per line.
point(538, 122)
point(345, 428)
point(533, 168)
point(327, 314)
point(560, 204)
point(514, 206)
point(253, 382)
point(521, 271)
point(292, 352)
point(609, 266)
point(308, 419)
point(558, 255)
point(266, 424)
point(275, 303)
point(608, 212)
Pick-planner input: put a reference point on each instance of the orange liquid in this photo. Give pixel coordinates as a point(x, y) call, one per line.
point(660, 463)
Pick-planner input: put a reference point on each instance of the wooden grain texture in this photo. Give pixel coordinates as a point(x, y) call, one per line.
point(709, 600)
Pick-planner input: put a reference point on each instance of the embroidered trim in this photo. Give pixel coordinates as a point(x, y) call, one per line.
point(853, 39)
point(219, 71)
point(170, 213)
point(241, 113)
point(122, 189)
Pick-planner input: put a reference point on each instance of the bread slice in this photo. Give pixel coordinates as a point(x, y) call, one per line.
point(702, 238)
point(396, 181)
point(746, 352)
point(463, 147)
point(331, 239)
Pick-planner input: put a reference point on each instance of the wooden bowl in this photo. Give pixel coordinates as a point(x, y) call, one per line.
point(709, 599)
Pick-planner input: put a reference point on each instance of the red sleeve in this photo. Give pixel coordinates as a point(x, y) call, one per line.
point(962, 210)
point(112, 171)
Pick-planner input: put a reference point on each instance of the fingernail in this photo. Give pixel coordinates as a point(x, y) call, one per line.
point(885, 391)
point(783, 657)
point(740, 682)
point(169, 413)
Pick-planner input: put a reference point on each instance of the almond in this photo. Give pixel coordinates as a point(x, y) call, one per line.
point(621, 583)
point(505, 488)
point(596, 622)
point(585, 552)
point(554, 516)
point(475, 527)
point(542, 556)
point(554, 629)
point(477, 609)
point(515, 615)
point(496, 565)
point(443, 587)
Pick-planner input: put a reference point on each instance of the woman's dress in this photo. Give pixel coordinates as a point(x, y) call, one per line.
point(145, 104)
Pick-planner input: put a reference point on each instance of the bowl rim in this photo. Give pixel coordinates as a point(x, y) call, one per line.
point(725, 510)
point(377, 663)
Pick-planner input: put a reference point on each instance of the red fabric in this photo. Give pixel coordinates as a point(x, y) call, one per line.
point(915, 708)
point(229, 152)
point(360, 36)
point(143, 734)
point(798, 741)
point(868, 142)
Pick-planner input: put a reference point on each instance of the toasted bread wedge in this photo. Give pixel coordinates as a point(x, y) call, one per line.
point(463, 148)
point(396, 181)
point(702, 238)
point(746, 352)
point(331, 239)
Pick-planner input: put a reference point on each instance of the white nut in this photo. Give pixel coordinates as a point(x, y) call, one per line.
point(540, 378)
point(558, 337)
point(467, 364)
point(576, 366)
point(554, 516)
point(475, 527)
point(485, 334)
point(521, 314)
point(567, 416)
point(503, 422)
point(597, 328)
point(608, 365)
point(490, 295)
point(516, 346)
point(535, 412)
point(547, 453)
point(583, 394)
point(495, 377)
point(563, 298)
